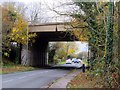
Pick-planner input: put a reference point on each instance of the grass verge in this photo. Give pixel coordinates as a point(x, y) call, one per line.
point(62, 62)
point(8, 66)
point(84, 80)
point(15, 68)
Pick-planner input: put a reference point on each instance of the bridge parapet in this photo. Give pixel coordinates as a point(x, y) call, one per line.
point(48, 27)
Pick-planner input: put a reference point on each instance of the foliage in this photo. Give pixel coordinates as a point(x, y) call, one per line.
point(15, 28)
point(79, 29)
point(95, 26)
point(10, 67)
point(82, 55)
point(61, 50)
point(84, 81)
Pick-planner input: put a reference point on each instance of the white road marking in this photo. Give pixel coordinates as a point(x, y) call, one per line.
point(31, 75)
point(7, 81)
point(41, 72)
point(46, 71)
point(22, 77)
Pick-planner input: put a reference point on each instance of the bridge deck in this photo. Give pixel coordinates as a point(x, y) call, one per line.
point(48, 27)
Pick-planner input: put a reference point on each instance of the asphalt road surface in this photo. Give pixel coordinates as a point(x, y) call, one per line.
point(32, 79)
point(72, 65)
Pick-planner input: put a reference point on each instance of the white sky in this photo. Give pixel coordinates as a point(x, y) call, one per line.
point(52, 4)
point(82, 46)
point(48, 14)
point(26, 1)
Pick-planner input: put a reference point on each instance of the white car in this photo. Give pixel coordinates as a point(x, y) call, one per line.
point(80, 60)
point(75, 60)
point(68, 61)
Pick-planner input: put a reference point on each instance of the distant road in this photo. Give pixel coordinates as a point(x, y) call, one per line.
point(73, 65)
point(32, 79)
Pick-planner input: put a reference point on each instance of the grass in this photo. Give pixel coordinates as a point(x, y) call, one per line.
point(0, 71)
point(85, 62)
point(62, 62)
point(84, 80)
point(16, 68)
point(10, 67)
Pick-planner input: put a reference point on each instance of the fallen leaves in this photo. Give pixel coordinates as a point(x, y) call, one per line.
point(85, 81)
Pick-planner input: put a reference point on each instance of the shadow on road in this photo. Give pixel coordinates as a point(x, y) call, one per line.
point(60, 67)
point(66, 67)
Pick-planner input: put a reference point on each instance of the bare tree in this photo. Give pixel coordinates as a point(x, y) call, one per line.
point(33, 12)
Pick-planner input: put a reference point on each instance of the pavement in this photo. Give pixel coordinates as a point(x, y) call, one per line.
point(62, 82)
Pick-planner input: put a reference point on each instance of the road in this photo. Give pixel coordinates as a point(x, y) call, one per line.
point(72, 65)
point(32, 79)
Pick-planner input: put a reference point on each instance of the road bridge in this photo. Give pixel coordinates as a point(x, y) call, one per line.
point(48, 32)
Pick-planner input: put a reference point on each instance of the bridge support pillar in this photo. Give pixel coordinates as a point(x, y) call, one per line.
point(25, 59)
point(38, 53)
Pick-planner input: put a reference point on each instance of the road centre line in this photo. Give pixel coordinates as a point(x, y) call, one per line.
point(31, 74)
point(46, 71)
point(22, 77)
point(8, 81)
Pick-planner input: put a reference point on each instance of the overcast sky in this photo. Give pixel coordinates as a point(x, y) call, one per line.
point(46, 5)
point(48, 14)
point(26, 1)
point(81, 46)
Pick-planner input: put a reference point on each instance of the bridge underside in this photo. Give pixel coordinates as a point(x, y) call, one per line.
point(38, 51)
